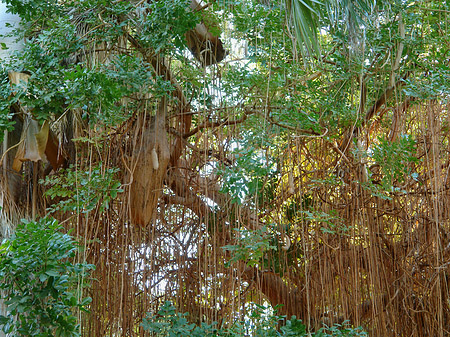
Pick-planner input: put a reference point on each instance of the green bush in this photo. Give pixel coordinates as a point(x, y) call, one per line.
point(168, 323)
point(38, 279)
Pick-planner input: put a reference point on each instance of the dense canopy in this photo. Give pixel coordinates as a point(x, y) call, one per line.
point(229, 155)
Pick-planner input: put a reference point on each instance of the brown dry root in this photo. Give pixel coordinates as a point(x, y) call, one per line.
point(152, 158)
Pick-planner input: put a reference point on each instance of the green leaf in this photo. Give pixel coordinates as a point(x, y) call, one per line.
point(41, 249)
point(52, 273)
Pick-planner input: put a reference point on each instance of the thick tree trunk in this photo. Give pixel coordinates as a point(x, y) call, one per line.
point(152, 158)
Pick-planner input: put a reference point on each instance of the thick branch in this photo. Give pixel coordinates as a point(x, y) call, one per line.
point(383, 98)
point(185, 117)
point(209, 152)
point(387, 94)
point(292, 301)
point(209, 124)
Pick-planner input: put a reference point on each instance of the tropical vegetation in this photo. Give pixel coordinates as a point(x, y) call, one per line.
point(233, 167)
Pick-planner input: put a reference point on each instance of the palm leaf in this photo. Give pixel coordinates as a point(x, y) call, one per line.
point(305, 18)
point(305, 15)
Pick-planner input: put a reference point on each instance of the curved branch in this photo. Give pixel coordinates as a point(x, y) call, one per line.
point(383, 98)
point(209, 124)
point(185, 116)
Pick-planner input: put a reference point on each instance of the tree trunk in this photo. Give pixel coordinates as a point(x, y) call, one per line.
point(149, 169)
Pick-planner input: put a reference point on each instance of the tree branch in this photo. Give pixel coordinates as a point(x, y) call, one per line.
point(209, 124)
point(383, 98)
point(185, 117)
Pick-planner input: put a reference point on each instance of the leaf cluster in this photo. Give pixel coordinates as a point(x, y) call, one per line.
point(167, 24)
point(251, 247)
point(82, 191)
point(252, 166)
point(32, 10)
point(38, 280)
point(167, 322)
point(394, 159)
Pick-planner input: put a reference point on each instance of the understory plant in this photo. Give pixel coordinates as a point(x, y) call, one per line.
point(40, 281)
point(168, 322)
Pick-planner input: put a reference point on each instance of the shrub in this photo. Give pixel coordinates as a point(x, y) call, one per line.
point(38, 280)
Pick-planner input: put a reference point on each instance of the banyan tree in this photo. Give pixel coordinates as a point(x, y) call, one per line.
point(290, 155)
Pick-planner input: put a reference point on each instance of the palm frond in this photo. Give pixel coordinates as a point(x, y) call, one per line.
point(305, 17)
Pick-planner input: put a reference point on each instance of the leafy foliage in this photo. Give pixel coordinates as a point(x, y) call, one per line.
point(82, 191)
point(251, 247)
point(167, 322)
point(305, 16)
point(165, 28)
point(32, 10)
point(6, 122)
point(395, 159)
point(38, 279)
point(264, 137)
point(246, 178)
point(170, 323)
